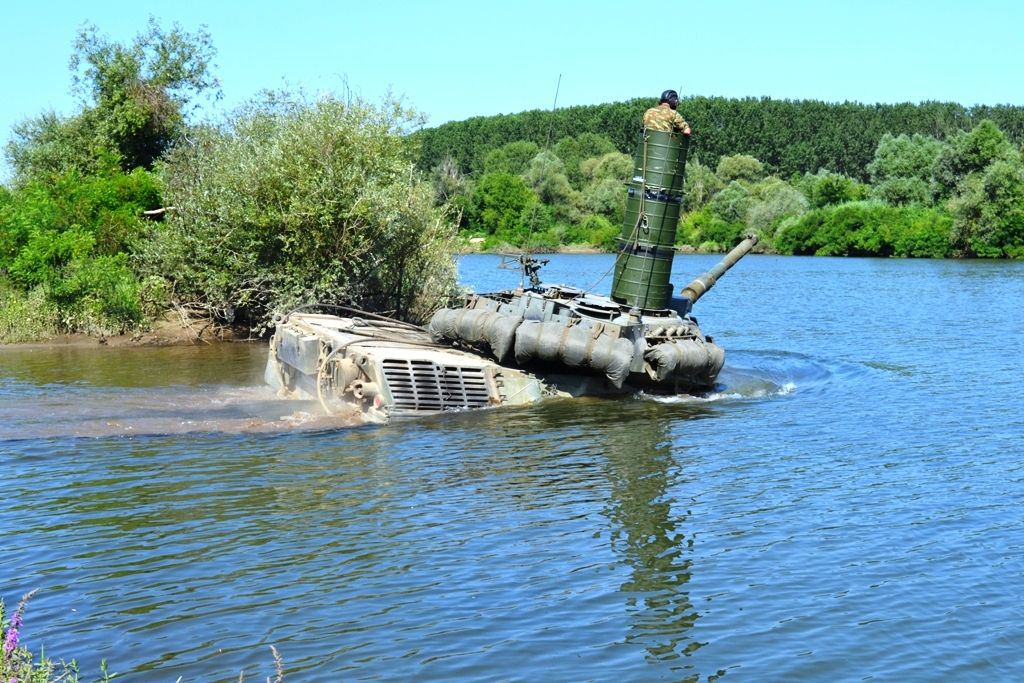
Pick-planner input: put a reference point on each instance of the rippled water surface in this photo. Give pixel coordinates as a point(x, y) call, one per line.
point(846, 505)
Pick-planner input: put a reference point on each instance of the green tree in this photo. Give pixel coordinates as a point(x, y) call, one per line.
point(826, 188)
point(498, 202)
point(701, 185)
point(774, 199)
point(989, 212)
point(512, 158)
point(546, 175)
point(135, 99)
point(604, 189)
point(739, 167)
point(902, 168)
point(574, 150)
point(969, 153)
point(732, 203)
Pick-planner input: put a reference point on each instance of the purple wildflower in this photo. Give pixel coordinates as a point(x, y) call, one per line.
point(11, 641)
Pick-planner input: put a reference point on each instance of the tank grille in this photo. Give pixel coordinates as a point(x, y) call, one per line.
point(422, 385)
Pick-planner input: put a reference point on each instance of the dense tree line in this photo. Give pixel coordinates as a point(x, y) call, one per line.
point(788, 136)
point(959, 196)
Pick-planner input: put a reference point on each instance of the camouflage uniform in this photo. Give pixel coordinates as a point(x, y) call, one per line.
point(664, 117)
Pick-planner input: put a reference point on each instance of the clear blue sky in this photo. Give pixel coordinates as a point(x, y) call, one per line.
point(453, 60)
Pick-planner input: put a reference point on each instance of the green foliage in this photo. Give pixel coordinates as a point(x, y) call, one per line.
point(989, 211)
point(296, 201)
point(732, 203)
point(868, 229)
point(604, 185)
point(574, 150)
point(826, 188)
point(904, 157)
point(701, 184)
point(901, 171)
point(606, 198)
point(593, 231)
point(139, 91)
point(709, 230)
point(69, 238)
point(739, 167)
point(547, 176)
point(498, 202)
point(609, 166)
point(969, 153)
point(535, 228)
point(26, 316)
point(449, 182)
point(135, 98)
point(512, 158)
point(774, 200)
point(49, 145)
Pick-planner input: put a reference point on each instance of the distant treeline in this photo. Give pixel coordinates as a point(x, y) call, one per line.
point(788, 136)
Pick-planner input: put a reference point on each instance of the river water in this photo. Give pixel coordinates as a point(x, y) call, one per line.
point(847, 505)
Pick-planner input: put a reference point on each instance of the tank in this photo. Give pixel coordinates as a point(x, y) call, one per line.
point(641, 337)
point(520, 345)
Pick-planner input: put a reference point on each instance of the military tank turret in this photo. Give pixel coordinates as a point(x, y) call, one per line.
point(641, 337)
point(520, 345)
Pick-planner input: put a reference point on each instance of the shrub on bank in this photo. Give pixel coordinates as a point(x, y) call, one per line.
point(868, 229)
point(69, 238)
point(295, 202)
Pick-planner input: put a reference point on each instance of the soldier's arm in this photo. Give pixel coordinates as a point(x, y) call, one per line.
point(681, 124)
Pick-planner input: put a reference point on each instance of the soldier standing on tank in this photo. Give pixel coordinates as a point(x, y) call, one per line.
point(664, 117)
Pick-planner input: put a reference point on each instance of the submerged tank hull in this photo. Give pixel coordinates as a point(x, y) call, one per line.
point(518, 346)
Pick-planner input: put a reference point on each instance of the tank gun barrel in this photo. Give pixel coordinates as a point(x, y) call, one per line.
point(703, 283)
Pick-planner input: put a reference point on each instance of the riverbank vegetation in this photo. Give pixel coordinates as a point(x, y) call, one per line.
point(128, 209)
point(878, 188)
point(125, 211)
point(18, 663)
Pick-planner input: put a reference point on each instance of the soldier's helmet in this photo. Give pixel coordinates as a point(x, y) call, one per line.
point(671, 97)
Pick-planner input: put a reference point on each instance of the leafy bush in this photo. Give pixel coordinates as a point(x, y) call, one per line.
point(512, 158)
point(593, 231)
point(26, 316)
point(868, 229)
point(701, 184)
point(732, 203)
point(739, 167)
point(498, 202)
point(989, 211)
point(775, 199)
point(710, 231)
point(902, 168)
point(70, 237)
point(296, 201)
point(826, 188)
